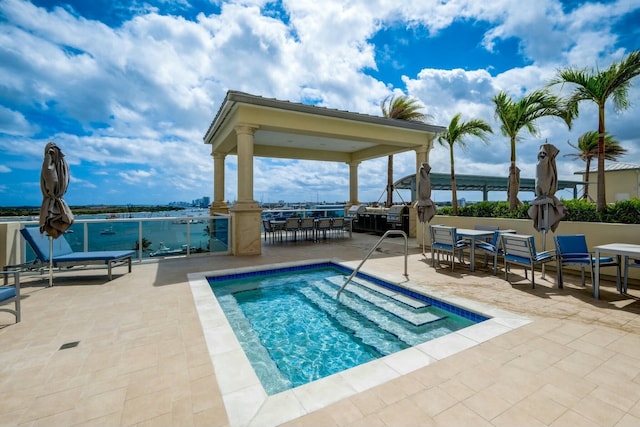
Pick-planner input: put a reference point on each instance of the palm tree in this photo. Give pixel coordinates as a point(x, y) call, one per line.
point(402, 108)
point(146, 244)
point(455, 133)
point(514, 116)
point(587, 149)
point(598, 86)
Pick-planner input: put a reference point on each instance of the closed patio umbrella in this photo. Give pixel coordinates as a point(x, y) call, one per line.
point(546, 210)
point(55, 215)
point(425, 207)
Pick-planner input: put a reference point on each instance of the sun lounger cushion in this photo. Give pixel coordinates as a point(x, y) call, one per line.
point(64, 256)
point(62, 252)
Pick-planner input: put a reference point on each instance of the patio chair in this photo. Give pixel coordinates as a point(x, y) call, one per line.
point(520, 249)
point(292, 225)
point(493, 248)
point(337, 226)
point(308, 225)
point(324, 225)
point(629, 262)
point(445, 240)
point(571, 249)
point(10, 293)
point(64, 256)
point(488, 228)
point(269, 230)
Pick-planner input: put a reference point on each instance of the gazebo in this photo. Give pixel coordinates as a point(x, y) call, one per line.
point(248, 125)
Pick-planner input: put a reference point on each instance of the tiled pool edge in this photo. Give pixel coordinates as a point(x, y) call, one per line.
point(246, 402)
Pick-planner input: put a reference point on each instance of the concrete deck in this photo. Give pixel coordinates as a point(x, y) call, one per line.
point(142, 358)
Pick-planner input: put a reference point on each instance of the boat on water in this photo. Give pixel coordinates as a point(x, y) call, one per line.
point(107, 231)
point(164, 250)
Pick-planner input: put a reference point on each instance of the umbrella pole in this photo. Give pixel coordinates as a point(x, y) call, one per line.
point(50, 261)
point(545, 221)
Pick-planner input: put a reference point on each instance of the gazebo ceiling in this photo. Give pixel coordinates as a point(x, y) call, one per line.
point(298, 131)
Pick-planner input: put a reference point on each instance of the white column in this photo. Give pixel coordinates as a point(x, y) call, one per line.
point(245, 214)
point(219, 204)
point(245, 163)
point(422, 155)
point(353, 183)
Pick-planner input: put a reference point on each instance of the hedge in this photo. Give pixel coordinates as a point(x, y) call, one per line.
point(624, 212)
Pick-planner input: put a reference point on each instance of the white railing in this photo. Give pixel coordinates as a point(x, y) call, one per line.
point(151, 237)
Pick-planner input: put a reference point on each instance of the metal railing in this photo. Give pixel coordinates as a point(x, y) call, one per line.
point(384, 236)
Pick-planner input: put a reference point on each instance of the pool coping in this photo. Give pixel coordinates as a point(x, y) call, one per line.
point(247, 403)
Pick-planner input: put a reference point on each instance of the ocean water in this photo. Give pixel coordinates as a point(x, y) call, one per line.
point(167, 233)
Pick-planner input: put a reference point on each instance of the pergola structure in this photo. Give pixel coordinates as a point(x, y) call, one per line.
point(442, 181)
point(247, 125)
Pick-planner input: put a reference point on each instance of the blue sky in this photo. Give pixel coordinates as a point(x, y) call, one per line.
point(128, 89)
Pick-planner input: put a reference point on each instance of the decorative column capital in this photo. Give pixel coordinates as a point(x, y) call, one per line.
point(423, 149)
point(245, 129)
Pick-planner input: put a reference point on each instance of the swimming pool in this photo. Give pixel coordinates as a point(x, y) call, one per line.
point(246, 400)
point(294, 330)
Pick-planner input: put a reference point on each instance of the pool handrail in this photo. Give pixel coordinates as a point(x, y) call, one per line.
point(387, 233)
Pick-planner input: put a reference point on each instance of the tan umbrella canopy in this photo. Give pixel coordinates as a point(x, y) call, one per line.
point(55, 215)
point(425, 207)
point(546, 210)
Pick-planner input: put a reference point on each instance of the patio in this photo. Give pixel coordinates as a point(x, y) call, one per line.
point(142, 358)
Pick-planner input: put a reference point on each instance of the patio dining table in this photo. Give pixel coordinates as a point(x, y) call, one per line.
point(473, 235)
point(619, 250)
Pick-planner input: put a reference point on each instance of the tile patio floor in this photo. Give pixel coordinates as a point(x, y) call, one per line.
point(142, 359)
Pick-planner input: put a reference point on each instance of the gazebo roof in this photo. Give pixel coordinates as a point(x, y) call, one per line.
point(292, 130)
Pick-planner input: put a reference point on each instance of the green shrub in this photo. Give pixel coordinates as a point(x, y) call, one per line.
point(625, 212)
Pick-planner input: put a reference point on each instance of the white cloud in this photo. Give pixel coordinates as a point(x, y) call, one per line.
point(14, 123)
point(144, 93)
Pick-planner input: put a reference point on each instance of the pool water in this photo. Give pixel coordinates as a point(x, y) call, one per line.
point(294, 330)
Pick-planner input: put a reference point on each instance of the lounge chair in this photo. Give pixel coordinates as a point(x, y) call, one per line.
point(521, 250)
point(10, 293)
point(64, 256)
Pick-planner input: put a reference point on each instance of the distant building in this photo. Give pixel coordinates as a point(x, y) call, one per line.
point(201, 203)
point(621, 181)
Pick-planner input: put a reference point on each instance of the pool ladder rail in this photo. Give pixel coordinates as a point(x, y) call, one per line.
point(387, 233)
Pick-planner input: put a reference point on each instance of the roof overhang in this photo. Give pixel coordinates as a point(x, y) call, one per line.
point(298, 131)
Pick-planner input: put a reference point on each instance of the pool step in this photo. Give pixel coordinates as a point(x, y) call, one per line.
point(368, 332)
point(387, 321)
point(400, 297)
point(409, 311)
